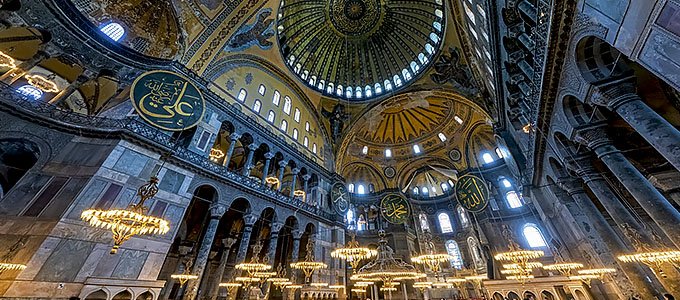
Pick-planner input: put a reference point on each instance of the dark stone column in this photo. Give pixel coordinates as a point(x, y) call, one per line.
point(70, 89)
point(219, 273)
point(249, 221)
point(282, 169)
point(216, 212)
point(249, 161)
point(293, 182)
point(233, 138)
point(650, 199)
point(271, 254)
point(265, 171)
point(622, 98)
point(297, 235)
point(305, 185)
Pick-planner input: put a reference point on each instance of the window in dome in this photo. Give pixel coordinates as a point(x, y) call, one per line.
point(361, 189)
point(262, 89)
point(434, 37)
point(424, 190)
point(406, 74)
point(416, 149)
point(297, 115)
point(499, 152)
point(481, 11)
point(307, 126)
point(479, 54)
point(321, 85)
point(506, 183)
point(357, 92)
point(513, 199)
point(30, 91)
point(414, 66)
point(444, 223)
point(348, 92)
point(388, 153)
point(364, 150)
point(291, 60)
point(314, 148)
point(113, 30)
point(312, 80)
point(429, 48)
point(415, 190)
point(339, 90)
point(469, 12)
point(439, 13)
point(452, 249)
point(534, 236)
point(433, 189)
point(257, 106)
point(271, 116)
point(438, 2)
point(295, 134)
point(242, 94)
point(350, 187)
point(329, 88)
point(304, 75)
point(305, 142)
point(445, 187)
point(474, 32)
point(442, 137)
point(368, 91)
point(277, 98)
point(462, 214)
point(458, 119)
point(422, 58)
point(297, 68)
point(486, 38)
point(424, 224)
point(397, 81)
point(284, 125)
point(378, 89)
point(487, 158)
point(287, 104)
point(450, 182)
point(388, 85)
point(437, 26)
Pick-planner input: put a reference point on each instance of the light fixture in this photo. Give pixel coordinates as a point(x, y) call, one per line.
point(422, 285)
point(293, 286)
point(442, 285)
point(455, 280)
point(319, 284)
point(518, 258)
point(216, 154)
point(388, 289)
point(254, 266)
point(126, 223)
point(353, 253)
point(519, 277)
point(7, 61)
point(515, 271)
point(528, 265)
point(308, 266)
point(272, 180)
point(587, 275)
point(184, 277)
point(11, 267)
point(564, 268)
point(299, 193)
point(358, 291)
point(231, 287)
point(385, 267)
point(363, 283)
point(42, 83)
point(527, 128)
point(336, 287)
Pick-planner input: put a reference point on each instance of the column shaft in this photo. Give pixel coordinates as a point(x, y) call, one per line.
point(247, 166)
point(230, 152)
point(202, 258)
point(282, 169)
point(265, 171)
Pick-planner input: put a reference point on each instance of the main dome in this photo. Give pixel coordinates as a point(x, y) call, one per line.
point(359, 49)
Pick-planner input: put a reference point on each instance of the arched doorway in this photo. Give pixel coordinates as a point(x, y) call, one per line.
point(16, 158)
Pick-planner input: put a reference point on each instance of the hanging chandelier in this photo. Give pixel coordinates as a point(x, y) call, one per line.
point(353, 253)
point(184, 277)
point(44, 84)
point(126, 223)
point(230, 286)
point(318, 284)
point(385, 267)
point(254, 266)
point(564, 268)
point(7, 61)
point(11, 267)
point(518, 259)
point(654, 260)
point(431, 260)
point(272, 180)
point(308, 266)
point(216, 154)
point(587, 275)
point(358, 291)
point(442, 285)
point(422, 285)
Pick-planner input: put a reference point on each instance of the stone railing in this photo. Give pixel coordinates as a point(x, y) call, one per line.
point(131, 128)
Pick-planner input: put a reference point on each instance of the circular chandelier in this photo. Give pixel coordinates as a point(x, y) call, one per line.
point(319, 284)
point(184, 277)
point(518, 256)
point(353, 253)
point(564, 268)
point(654, 260)
point(432, 261)
point(518, 259)
point(442, 285)
point(422, 285)
point(11, 267)
point(254, 267)
point(587, 275)
point(385, 267)
point(126, 223)
point(231, 287)
point(308, 266)
point(358, 291)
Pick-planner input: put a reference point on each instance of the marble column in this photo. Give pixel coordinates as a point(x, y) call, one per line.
point(605, 242)
point(293, 182)
point(305, 185)
point(621, 97)
point(249, 220)
point(265, 171)
point(249, 161)
point(295, 253)
point(233, 138)
point(282, 170)
point(271, 253)
point(70, 89)
point(219, 273)
point(216, 212)
point(15, 74)
point(650, 199)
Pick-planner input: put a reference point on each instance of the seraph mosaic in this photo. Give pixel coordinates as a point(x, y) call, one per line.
point(257, 33)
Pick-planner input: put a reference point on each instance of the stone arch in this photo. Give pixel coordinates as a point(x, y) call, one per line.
point(547, 295)
point(598, 61)
point(579, 113)
point(17, 157)
point(513, 296)
point(222, 143)
point(497, 296)
point(123, 295)
point(147, 295)
point(100, 294)
point(529, 295)
point(365, 173)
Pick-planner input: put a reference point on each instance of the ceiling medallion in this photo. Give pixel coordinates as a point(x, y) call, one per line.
point(354, 18)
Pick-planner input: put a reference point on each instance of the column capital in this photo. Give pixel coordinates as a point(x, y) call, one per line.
point(592, 137)
point(276, 227)
point(217, 210)
point(616, 93)
point(297, 234)
point(583, 167)
point(234, 136)
point(250, 219)
point(296, 171)
point(228, 242)
point(268, 155)
point(306, 177)
point(570, 185)
point(283, 164)
point(252, 146)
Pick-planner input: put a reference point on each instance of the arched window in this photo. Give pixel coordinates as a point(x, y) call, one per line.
point(499, 152)
point(287, 104)
point(458, 120)
point(474, 252)
point(277, 98)
point(445, 223)
point(295, 134)
point(357, 92)
point(442, 136)
point(416, 149)
point(314, 148)
point(513, 199)
point(30, 91)
point(271, 116)
point(487, 158)
point(262, 89)
point(361, 223)
point(397, 81)
point(378, 88)
point(422, 58)
point(307, 126)
point(469, 12)
point(368, 91)
point(361, 189)
point(284, 125)
point(305, 142)
point(506, 183)
point(350, 187)
point(534, 236)
point(388, 85)
point(242, 95)
point(297, 115)
point(329, 88)
point(388, 153)
point(424, 190)
point(364, 150)
point(422, 218)
point(456, 258)
point(445, 186)
point(416, 190)
point(462, 214)
point(113, 30)
point(350, 217)
point(406, 74)
point(450, 182)
point(257, 105)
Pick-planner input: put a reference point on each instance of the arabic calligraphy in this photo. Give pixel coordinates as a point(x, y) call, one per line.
point(472, 193)
point(395, 209)
point(167, 100)
point(340, 198)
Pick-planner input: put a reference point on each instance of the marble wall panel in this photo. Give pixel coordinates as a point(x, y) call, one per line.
point(131, 163)
point(65, 261)
point(91, 193)
point(661, 54)
point(22, 193)
point(99, 251)
point(130, 264)
point(152, 266)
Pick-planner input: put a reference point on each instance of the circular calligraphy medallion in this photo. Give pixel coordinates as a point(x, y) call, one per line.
point(395, 208)
point(167, 100)
point(390, 172)
point(455, 155)
point(472, 193)
point(340, 198)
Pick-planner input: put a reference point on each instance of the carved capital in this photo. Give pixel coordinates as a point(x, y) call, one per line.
point(283, 164)
point(252, 147)
point(276, 227)
point(583, 167)
point(297, 234)
point(217, 210)
point(228, 242)
point(614, 94)
point(592, 137)
point(306, 177)
point(296, 171)
point(250, 219)
point(570, 185)
point(268, 155)
point(234, 136)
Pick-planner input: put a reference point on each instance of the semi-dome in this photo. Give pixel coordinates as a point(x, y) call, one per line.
point(359, 49)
